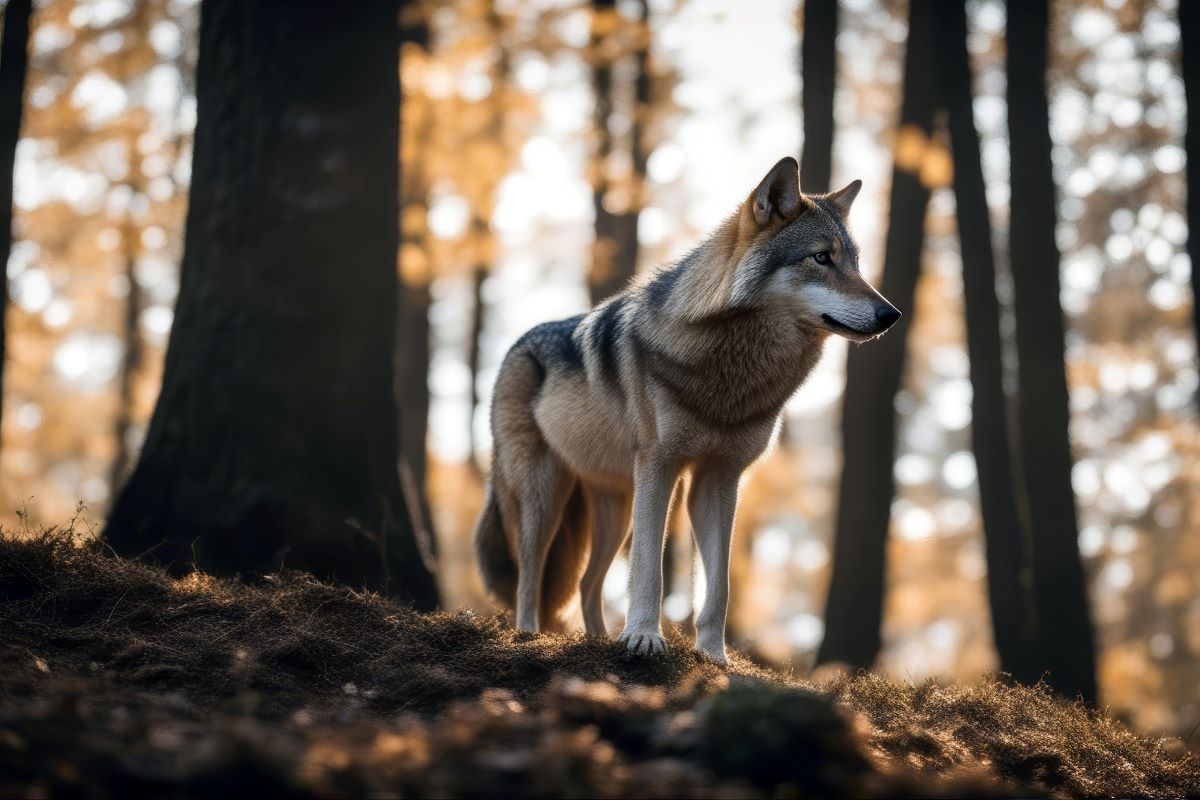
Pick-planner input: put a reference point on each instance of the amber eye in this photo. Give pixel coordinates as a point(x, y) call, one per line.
point(822, 258)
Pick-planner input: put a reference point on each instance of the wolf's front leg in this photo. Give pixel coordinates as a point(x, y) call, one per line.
point(711, 506)
point(653, 485)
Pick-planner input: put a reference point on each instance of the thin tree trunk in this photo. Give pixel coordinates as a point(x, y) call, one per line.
point(274, 441)
point(1189, 38)
point(615, 254)
point(132, 361)
point(854, 610)
point(478, 276)
point(412, 330)
point(1064, 630)
point(1009, 577)
point(412, 396)
point(818, 74)
point(481, 230)
point(14, 62)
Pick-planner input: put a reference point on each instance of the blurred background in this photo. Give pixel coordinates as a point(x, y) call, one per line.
point(548, 149)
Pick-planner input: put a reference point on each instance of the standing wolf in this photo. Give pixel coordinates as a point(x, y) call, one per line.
point(683, 374)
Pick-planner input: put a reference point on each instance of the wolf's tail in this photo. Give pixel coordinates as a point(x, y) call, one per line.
point(491, 548)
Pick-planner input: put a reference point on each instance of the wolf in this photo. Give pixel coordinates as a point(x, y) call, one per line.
point(679, 377)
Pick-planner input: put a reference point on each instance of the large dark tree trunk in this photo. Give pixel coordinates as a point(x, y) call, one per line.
point(854, 609)
point(1064, 630)
point(14, 62)
point(614, 255)
point(274, 440)
point(1189, 38)
point(1009, 576)
point(818, 73)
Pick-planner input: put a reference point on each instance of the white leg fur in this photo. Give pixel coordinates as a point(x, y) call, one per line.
point(654, 483)
point(711, 505)
point(610, 524)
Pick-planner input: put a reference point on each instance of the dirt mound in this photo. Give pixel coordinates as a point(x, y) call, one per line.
point(121, 680)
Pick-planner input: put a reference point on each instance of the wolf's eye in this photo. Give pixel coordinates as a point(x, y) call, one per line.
point(822, 258)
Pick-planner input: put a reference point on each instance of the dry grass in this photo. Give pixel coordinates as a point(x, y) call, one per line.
point(120, 680)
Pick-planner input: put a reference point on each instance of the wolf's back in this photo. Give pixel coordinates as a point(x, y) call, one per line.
point(491, 548)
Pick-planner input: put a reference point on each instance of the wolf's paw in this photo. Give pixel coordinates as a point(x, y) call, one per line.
point(644, 643)
point(713, 654)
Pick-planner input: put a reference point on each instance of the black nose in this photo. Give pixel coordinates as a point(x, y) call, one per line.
point(887, 316)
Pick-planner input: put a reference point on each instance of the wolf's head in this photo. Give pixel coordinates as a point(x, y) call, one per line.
point(797, 255)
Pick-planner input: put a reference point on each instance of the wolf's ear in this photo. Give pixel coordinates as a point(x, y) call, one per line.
point(843, 198)
point(779, 192)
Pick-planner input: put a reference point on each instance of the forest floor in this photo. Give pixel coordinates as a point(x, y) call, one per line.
point(119, 680)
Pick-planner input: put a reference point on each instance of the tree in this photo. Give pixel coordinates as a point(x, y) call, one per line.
point(1064, 632)
point(14, 62)
point(1189, 38)
point(413, 301)
point(1008, 575)
point(615, 253)
point(818, 73)
point(135, 182)
point(274, 440)
point(854, 609)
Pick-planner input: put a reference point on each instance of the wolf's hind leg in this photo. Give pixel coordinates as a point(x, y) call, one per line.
point(610, 523)
point(547, 486)
point(711, 505)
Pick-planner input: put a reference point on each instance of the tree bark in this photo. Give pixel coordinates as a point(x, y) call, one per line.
point(854, 610)
point(1189, 38)
point(1064, 632)
point(274, 440)
point(14, 63)
point(1009, 577)
point(818, 74)
point(615, 254)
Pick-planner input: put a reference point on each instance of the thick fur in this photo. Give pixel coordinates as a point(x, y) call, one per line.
point(596, 418)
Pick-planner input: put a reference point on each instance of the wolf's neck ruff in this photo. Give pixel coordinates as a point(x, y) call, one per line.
point(729, 371)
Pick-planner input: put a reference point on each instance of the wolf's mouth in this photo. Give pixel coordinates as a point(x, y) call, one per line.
point(842, 326)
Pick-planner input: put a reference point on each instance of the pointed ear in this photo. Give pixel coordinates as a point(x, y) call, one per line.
point(779, 192)
point(843, 198)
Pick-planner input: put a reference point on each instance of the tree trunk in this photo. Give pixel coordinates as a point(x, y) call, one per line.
point(1064, 631)
point(474, 354)
point(131, 363)
point(1189, 38)
point(412, 329)
point(854, 609)
point(818, 73)
point(615, 253)
point(274, 440)
point(412, 407)
point(14, 62)
point(1009, 577)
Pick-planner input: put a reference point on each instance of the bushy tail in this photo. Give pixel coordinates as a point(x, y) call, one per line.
point(491, 548)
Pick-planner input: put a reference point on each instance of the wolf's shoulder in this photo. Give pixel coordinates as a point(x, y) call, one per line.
point(552, 343)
